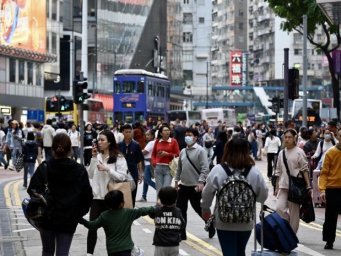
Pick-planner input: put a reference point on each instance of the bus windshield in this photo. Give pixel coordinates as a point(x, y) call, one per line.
point(313, 111)
point(181, 115)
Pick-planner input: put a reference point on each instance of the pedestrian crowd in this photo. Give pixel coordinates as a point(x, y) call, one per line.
point(145, 155)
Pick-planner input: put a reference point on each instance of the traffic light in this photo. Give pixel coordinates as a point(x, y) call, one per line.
point(79, 96)
point(275, 104)
point(293, 83)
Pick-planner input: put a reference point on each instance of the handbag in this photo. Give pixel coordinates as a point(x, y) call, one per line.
point(307, 212)
point(37, 209)
point(173, 166)
point(20, 162)
point(208, 144)
point(297, 187)
point(125, 188)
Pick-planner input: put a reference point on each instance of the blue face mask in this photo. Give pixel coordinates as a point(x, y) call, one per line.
point(189, 140)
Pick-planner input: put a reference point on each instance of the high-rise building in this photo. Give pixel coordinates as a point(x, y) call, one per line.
point(196, 42)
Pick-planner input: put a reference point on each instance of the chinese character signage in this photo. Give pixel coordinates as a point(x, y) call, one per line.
point(238, 68)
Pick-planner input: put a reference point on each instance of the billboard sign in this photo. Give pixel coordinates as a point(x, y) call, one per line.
point(23, 24)
point(238, 68)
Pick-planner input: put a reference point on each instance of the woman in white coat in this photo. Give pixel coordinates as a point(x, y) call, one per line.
point(106, 163)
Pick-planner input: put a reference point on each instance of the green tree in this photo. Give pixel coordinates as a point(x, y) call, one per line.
point(292, 12)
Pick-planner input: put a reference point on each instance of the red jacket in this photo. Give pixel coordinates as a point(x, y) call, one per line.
point(171, 146)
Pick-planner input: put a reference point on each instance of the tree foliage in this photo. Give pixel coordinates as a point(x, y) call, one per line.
point(292, 12)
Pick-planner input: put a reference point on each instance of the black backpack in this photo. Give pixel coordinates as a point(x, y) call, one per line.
point(30, 154)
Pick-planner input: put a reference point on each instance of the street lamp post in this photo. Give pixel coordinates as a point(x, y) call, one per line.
point(207, 85)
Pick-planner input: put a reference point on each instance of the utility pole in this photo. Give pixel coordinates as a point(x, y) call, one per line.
point(286, 84)
point(305, 107)
point(206, 85)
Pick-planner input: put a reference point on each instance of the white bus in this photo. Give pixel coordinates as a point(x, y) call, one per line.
point(190, 116)
point(314, 108)
point(94, 111)
point(213, 115)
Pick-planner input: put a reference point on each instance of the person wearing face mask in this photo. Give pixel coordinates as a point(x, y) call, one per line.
point(324, 146)
point(192, 171)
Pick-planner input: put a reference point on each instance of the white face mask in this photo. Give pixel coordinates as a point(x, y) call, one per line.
point(189, 140)
point(327, 137)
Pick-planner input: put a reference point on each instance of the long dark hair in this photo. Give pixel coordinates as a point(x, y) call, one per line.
point(113, 149)
point(237, 154)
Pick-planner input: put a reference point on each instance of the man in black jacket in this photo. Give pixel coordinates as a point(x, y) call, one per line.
point(179, 134)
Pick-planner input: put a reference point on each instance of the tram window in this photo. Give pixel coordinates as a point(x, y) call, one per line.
point(150, 89)
point(117, 87)
point(128, 117)
point(128, 87)
point(118, 117)
point(140, 87)
point(139, 116)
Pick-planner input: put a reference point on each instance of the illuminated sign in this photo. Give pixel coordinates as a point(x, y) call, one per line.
point(236, 68)
point(23, 24)
point(309, 118)
point(128, 105)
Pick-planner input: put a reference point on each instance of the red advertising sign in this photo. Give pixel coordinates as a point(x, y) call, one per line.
point(23, 24)
point(236, 63)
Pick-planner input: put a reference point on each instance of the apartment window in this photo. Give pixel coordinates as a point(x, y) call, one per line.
point(61, 11)
point(47, 43)
point(312, 66)
point(188, 74)
point(47, 8)
point(12, 70)
point(319, 37)
point(187, 18)
point(241, 39)
point(54, 9)
point(298, 37)
point(297, 51)
point(240, 13)
point(251, 36)
point(30, 73)
point(201, 2)
point(319, 66)
point(241, 26)
point(312, 52)
point(187, 37)
point(186, 1)
point(201, 20)
point(54, 43)
point(187, 56)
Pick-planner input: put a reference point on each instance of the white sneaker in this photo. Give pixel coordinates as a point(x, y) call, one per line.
point(11, 167)
point(142, 200)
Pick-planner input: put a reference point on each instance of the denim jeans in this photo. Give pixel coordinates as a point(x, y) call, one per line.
point(28, 168)
point(48, 153)
point(254, 149)
point(2, 158)
point(147, 181)
point(14, 153)
point(74, 153)
point(233, 243)
point(162, 176)
point(55, 242)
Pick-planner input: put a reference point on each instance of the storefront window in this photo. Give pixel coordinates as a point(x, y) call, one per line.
point(30, 73)
point(21, 71)
point(38, 73)
point(12, 70)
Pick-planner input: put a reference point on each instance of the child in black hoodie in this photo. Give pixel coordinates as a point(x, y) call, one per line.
point(168, 223)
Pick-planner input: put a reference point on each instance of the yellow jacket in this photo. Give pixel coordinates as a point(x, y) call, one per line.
point(330, 176)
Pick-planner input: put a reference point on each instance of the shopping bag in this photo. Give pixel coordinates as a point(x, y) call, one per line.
point(173, 166)
point(125, 188)
point(20, 162)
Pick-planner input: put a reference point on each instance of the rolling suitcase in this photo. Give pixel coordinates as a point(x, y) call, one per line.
point(259, 235)
point(316, 193)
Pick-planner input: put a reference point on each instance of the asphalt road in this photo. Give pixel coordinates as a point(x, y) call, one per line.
point(17, 237)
